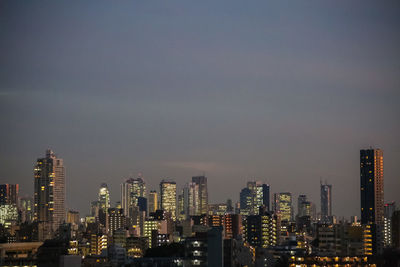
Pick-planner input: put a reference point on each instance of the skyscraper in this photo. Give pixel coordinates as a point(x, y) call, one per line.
point(371, 181)
point(49, 197)
point(326, 203)
point(202, 197)
point(168, 197)
point(153, 201)
point(372, 201)
point(255, 195)
point(266, 196)
point(284, 205)
point(191, 200)
point(9, 194)
point(131, 190)
point(303, 206)
point(245, 201)
point(104, 197)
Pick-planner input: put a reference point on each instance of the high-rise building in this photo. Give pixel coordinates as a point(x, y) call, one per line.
point(266, 196)
point(387, 227)
point(245, 201)
point(49, 197)
point(9, 194)
point(254, 196)
point(191, 200)
point(303, 206)
point(153, 201)
point(326, 203)
point(73, 217)
point(372, 201)
point(371, 180)
point(284, 205)
point(181, 207)
point(202, 196)
point(168, 197)
point(131, 190)
point(104, 198)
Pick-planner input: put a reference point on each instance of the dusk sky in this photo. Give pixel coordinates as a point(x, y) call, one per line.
point(285, 92)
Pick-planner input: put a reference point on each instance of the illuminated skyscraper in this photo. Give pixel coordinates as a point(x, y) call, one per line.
point(371, 180)
point(49, 197)
point(303, 206)
point(245, 201)
point(372, 201)
point(168, 197)
point(104, 197)
point(266, 196)
point(202, 195)
point(255, 195)
point(131, 190)
point(191, 200)
point(9, 194)
point(326, 203)
point(284, 205)
point(153, 201)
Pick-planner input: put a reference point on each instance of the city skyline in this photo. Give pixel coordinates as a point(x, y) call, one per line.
point(173, 90)
point(118, 198)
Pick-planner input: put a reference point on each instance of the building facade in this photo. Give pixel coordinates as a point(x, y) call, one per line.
point(202, 194)
point(372, 196)
point(168, 197)
point(49, 196)
point(326, 203)
point(9, 194)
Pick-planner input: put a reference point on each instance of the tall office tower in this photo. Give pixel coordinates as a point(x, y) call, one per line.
point(326, 203)
point(103, 203)
point(301, 205)
point(94, 208)
point(131, 190)
point(191, 199)
point(201, 181)
point(387, 226)
point(168, 197)
point(266, 196)
point(104, 197)
point(9, 194)
point(245, 201)
point(284, 205)
point(181, 207)
point(153, 201)
point(49, 198)
point(259, 194)
point(371, 178)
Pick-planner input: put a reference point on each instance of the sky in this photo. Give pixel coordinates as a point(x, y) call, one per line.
point(278, 91)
